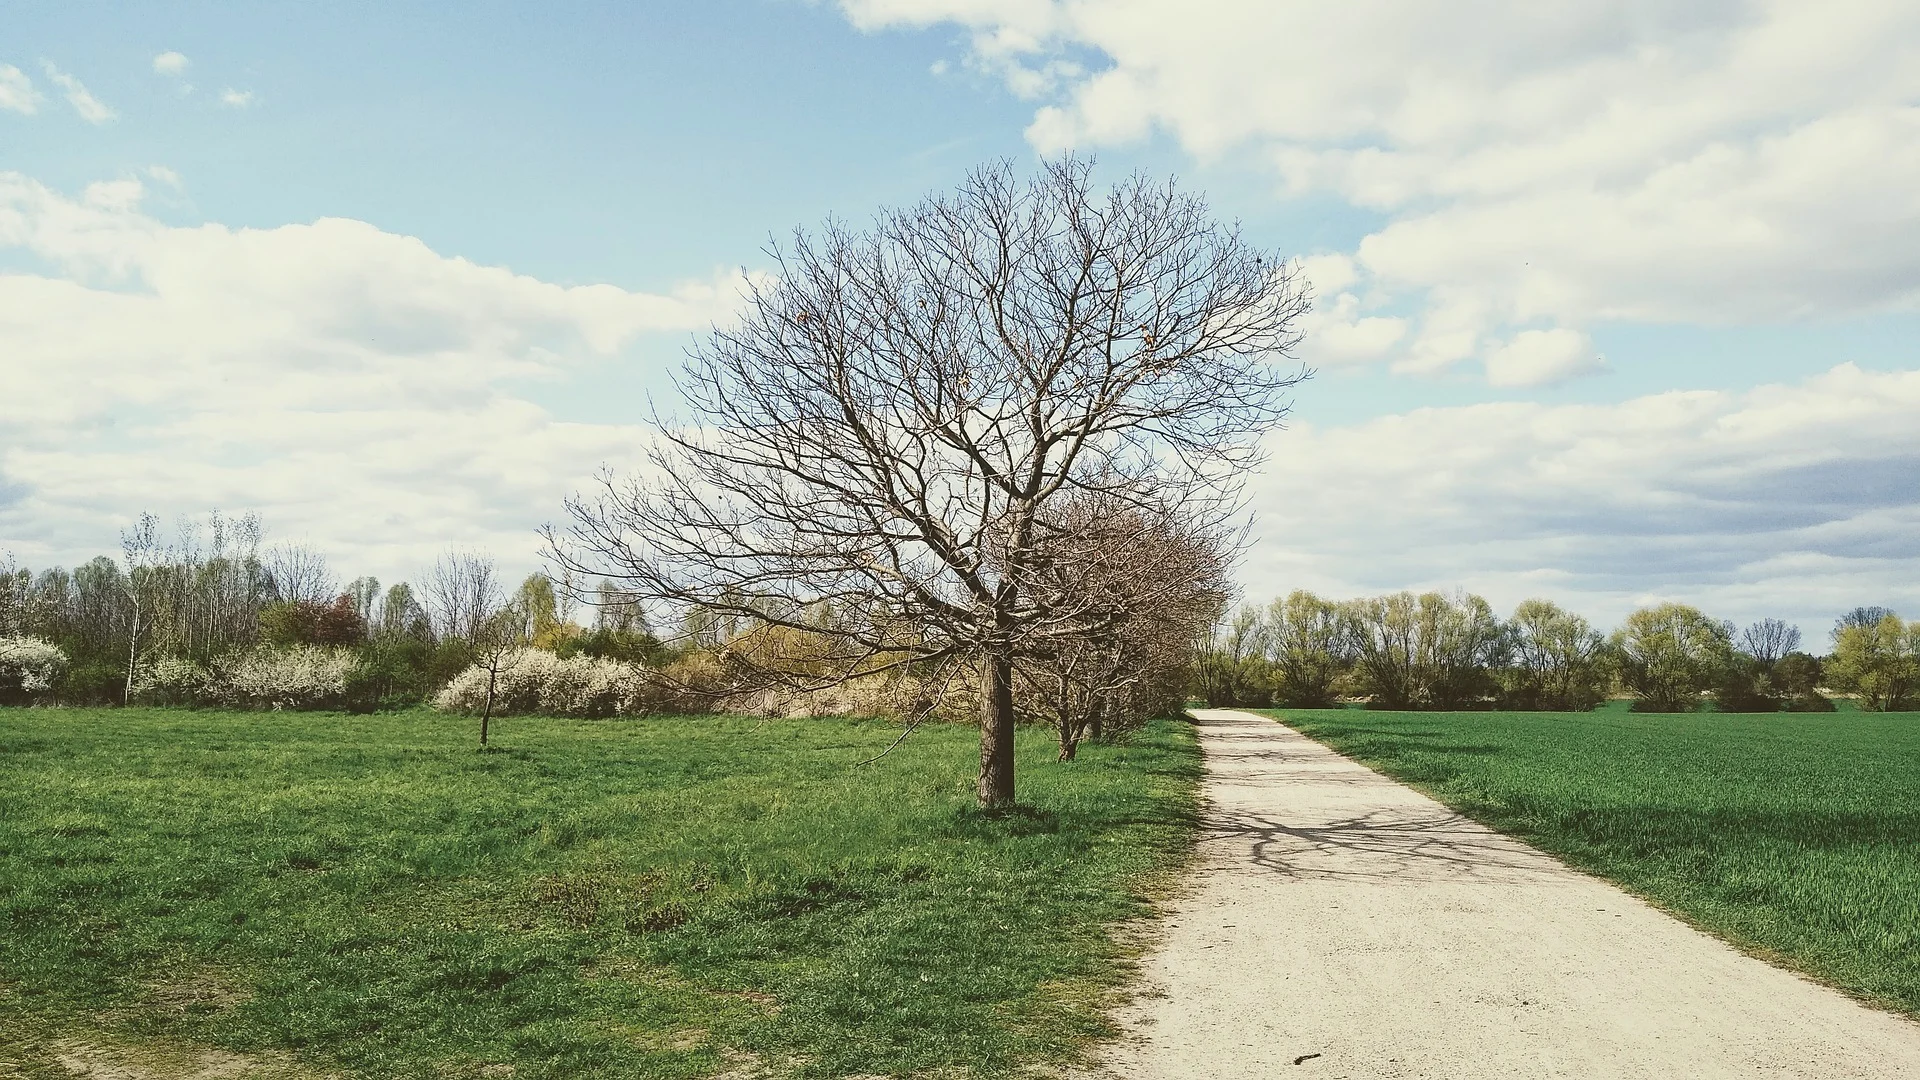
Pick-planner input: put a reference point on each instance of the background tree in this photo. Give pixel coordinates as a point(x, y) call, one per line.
point(1768, 640)
point(1384, 633)
point(1747, 683)
point(1880, 662)
point(140, 547)
point(1461, 643)
point(1232, 663)
point(1308, 650)
point(299, 574)
point(1557, 659)
point(462, 591)
point(887, 426)
point(1670, 654)
point(1796, 678)
point(1858, 617)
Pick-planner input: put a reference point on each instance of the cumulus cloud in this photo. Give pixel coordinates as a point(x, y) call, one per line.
point(1568, 164)
point(16, 91)
point(360, 389)
point(90, 108)
point(170, 63)
point(236, 99)
point(1795, 501)
point(1542, 357)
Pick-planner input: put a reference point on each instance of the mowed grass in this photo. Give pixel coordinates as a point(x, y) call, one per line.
point(1794, 836)
point(669, 897)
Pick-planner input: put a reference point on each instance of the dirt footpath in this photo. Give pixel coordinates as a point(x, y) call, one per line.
point(1345, 926)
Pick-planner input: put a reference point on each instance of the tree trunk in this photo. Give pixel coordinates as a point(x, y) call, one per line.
point(486, 714)
point(996, 729)
point(133, 654)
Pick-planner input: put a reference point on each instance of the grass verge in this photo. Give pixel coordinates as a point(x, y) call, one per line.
point(673, 897)
point(1796, 837)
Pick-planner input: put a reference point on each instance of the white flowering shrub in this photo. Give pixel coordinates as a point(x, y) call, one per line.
point(174, 680)
point(29, 666)
point(537, 681)
point(301, 677)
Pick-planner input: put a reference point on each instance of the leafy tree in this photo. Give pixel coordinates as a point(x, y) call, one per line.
point(1431, 651)
point(1233, 664)
point(1795, 679)
point(1670, 654)
point(1308, 649)
point(1558, 660)
point(1879, 661)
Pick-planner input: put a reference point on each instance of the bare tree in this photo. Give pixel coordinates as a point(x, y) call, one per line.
point(299, 574)
point(140, 545)
point(497, 641)
point(886, 427)
point(462, 591)
point(1768, 640)
point(1149, 588)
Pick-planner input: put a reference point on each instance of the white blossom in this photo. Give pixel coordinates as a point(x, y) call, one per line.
point(29, 666)
point(537, 681)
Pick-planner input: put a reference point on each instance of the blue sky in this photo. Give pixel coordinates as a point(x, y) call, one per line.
point(1590, 278)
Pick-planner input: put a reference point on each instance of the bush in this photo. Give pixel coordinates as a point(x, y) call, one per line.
point(302, 677)
point(534, 681)
point(174, 680)
point(30, 667)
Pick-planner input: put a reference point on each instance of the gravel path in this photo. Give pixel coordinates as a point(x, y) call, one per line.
point(1346, 926)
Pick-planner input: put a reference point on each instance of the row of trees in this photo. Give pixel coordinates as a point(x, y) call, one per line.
point(208, 614)
point(1451, 651)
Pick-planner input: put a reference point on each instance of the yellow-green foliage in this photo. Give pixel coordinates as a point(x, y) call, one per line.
point(1880, 662)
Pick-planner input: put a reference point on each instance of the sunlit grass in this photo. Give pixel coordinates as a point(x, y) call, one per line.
point(661, 898)
point(1795, 836)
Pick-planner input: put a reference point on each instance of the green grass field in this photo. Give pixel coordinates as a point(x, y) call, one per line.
point(672, 897)
point(1794, 836)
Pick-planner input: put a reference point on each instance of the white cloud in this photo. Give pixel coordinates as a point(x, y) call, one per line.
point(170, 63)
point(165, 175)
point(1789, 500)
point(1542, 357)
point(90, 108)
point(1567, 164)
point(16, 91)
point(357, 387)
point(236, 99)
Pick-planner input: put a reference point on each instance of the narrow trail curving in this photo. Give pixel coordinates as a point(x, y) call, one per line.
point(1344, 925)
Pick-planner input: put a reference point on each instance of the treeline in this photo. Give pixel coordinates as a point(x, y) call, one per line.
point(1452, 651)
point(212, 617)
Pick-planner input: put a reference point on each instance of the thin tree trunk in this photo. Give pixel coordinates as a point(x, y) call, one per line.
point(996, 729)
point(133, 653)
point(486, 714)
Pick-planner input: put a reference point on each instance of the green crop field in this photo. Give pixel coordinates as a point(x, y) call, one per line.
point(1796, 837)
point(676, 897)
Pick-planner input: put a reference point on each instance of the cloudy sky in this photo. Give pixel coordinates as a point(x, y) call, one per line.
point(1617, 302)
